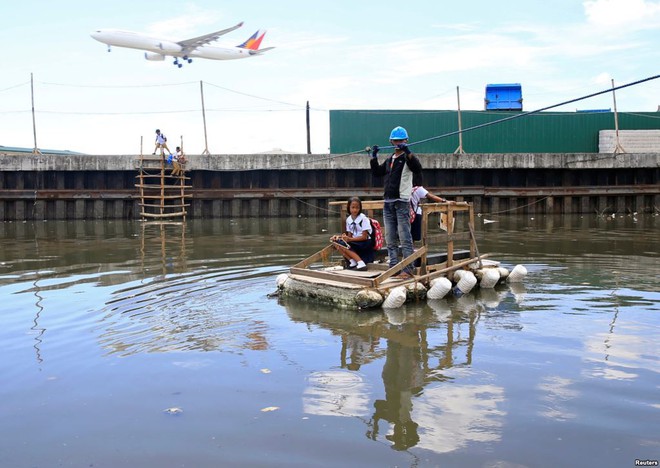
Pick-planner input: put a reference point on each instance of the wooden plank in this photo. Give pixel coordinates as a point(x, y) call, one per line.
point(332, 276)
point(161, 186)
point(399, 266)
point(166, 197)
point(163, 215)
point(323, 253)
point(437, 273)
point(158, 175)
point(164, 206)
point(473, 244)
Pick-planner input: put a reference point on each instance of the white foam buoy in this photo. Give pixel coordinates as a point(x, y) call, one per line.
point(458, 274)
point(439, 288)
point(466, 283)
point(281, 278)
point(517, 274)
point(504, 273)
point(396, 298)
point(489, 278)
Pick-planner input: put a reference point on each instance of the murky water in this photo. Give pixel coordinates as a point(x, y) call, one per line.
point(105, 326)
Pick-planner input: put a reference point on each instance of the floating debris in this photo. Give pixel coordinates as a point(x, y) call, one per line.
point(269, 408)
point(265, 371)
point(173, 410)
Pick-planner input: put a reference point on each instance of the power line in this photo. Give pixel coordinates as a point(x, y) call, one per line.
point(15, 86)
point(117, 86)
point(257, 97)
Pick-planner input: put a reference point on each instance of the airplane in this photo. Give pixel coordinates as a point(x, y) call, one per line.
point(158, 49)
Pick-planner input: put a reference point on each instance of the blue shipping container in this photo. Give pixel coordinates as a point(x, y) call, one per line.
point(506, 97)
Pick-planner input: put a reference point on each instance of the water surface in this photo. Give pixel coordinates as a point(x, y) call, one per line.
point(105, 325)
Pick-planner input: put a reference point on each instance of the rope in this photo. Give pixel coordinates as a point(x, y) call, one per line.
point(516, 208)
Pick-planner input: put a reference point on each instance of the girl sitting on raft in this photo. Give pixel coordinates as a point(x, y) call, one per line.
point(355, 243)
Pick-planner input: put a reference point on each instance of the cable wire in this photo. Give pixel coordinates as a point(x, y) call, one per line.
point(525, 114)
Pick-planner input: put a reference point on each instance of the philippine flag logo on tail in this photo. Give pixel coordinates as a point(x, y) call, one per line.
point(254, 41)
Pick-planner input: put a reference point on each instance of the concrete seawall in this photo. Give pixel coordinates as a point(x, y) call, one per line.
point(102, 186)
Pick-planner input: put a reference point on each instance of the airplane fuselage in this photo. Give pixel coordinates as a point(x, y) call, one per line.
point(115, 37)
point(159, 48)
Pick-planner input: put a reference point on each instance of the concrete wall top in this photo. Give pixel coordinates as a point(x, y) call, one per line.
point(242, 162)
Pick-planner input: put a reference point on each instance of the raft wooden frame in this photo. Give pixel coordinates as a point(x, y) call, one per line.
point(377, 277)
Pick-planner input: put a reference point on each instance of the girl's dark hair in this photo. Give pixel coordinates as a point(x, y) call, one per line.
point(351, 200)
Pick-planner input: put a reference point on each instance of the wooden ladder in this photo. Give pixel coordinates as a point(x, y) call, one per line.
point(162, 195)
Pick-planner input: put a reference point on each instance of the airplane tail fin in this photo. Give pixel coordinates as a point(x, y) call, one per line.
point(254, 41)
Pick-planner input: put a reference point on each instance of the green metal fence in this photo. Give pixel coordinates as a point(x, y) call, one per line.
point(544, 132)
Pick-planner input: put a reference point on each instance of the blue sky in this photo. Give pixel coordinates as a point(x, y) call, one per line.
point(336, 55)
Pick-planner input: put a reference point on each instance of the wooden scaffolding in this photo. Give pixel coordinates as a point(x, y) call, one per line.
point(162, 190)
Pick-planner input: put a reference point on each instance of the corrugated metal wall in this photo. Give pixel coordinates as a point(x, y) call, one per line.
point(545, 132)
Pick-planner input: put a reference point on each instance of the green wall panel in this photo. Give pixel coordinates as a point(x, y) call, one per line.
point(543, 132)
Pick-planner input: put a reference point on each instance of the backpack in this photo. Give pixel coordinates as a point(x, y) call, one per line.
point(376, 234)
point(164, 137)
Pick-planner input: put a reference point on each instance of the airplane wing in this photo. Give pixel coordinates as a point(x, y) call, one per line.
point(191, 44)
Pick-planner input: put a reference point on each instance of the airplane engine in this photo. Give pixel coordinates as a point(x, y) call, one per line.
point(154, 57)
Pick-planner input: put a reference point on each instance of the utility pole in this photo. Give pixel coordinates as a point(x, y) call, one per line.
point(206, 142)
point(459, 150)
point(618, 148)
point(309, 144)
point(35, 150)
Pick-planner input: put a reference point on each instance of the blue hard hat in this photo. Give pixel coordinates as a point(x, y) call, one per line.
point(399, 133)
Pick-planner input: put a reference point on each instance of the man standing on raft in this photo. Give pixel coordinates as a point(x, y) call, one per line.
point(398, 170)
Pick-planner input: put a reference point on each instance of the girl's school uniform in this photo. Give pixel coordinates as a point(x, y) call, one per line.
point(356, 227)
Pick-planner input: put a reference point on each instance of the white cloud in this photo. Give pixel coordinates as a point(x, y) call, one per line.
point(639, 14)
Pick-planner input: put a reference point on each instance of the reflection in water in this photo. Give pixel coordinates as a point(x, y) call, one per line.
point(533, 374)
point(169, 239)
point(452, 416)
point(556, 394)
point(336, 393)
point(422, 349)
point(183, 315)
point(40, 331)
point(403, 377)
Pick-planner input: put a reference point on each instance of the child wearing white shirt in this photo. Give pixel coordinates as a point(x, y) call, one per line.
point(355, 243)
